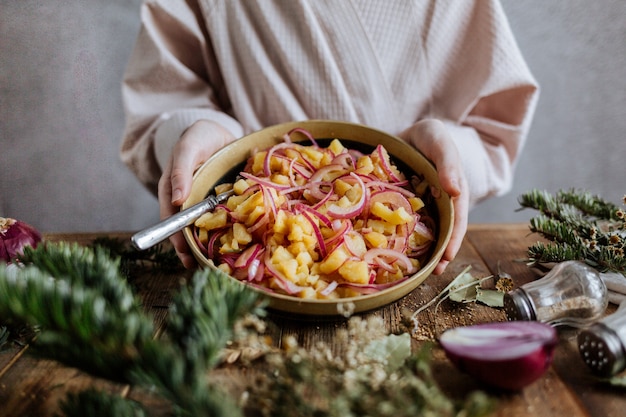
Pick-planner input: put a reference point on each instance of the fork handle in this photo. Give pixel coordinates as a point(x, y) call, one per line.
point(175, 223)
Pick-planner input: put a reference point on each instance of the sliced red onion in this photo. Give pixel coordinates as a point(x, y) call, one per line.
point(318, 233)
point(507, 355)
point(383, 256)
point(15, 235)
point(329, 289)
point(247, 256)
point(333, 170)
point(353, 210)
point(265, 182)
point(282, 281)
point(305, 133)
point(386, 163)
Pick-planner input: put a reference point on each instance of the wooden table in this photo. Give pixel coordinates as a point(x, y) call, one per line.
point(30, 387)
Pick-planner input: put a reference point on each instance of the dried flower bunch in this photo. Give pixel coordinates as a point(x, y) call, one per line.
point(578, 226)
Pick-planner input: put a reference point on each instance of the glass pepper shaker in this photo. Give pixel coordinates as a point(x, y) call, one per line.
point(572, 294)
point(602, 346)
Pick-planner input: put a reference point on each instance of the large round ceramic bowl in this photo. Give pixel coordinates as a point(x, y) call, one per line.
point(224, 166)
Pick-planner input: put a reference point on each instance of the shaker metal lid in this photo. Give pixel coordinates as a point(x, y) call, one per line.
point(518, 306)
point(601, 350)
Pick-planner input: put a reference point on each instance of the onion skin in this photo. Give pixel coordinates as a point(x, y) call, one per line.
point(508, 355)
point(14, 236)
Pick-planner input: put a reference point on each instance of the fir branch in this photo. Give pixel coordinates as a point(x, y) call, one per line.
point(79, 326)
point(4, 336)
point(589, 204)
point(85, 267)
point(203, 315)
point(90, 319)
point(95, 403)
point(578, 226)
point(157, 257)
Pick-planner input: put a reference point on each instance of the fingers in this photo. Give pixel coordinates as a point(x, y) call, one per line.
point(433, 139)
point(196, 145)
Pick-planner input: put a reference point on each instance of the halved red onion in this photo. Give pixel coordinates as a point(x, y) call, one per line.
point(15, 235)
point(507, 355)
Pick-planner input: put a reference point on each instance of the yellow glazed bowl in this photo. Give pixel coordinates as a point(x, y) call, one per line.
point(225, 164)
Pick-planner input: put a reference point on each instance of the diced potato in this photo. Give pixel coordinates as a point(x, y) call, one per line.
point(220, 188)
point(304, 224)
point(326, 160)
point(296, 233)
point(310, 242)
point(344, 202)
point(212, 220)
point(336, 147)
point(280, 255)
point(290, 270)
point(376, 240)
point(355, 243)
point(354, 193)
point(240, 186)
point(225, 268)
point(304, 258)
point(416, 203)
point(257, 162)
point(381, 226)
point(308, 293)
point(334, 260)
point(254, 215)
point(203, 236)
point(355, 271)
point(364, 165)
point(341, 187)
point(280, 179)
point(311, 279)
point(313, 155)
point(280, 223)
point(241, 234)
point(395, 217)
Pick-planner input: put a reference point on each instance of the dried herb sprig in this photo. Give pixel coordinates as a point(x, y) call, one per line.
point(578, 226)
point(376, 375)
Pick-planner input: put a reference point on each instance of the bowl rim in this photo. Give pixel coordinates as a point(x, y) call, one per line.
point(331, 307)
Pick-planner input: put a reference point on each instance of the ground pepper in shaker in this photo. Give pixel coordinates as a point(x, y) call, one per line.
point(571, 294)
point(603, 345)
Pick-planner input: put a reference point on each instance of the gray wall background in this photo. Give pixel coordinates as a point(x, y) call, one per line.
point(61, 116)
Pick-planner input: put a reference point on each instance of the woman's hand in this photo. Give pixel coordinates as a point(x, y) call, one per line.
point(195, 146)
point(433, 139)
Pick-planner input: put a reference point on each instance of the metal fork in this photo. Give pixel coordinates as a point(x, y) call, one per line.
point(177, 222)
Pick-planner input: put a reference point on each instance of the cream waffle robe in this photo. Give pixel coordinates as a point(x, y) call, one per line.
point(248, 64)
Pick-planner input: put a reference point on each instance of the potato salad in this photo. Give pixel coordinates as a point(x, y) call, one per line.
point(320, 222)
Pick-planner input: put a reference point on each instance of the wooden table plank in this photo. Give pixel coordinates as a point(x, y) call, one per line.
point(33, 387)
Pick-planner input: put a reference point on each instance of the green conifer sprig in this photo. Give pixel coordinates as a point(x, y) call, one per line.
point(95, 403)
point(90, 319)
point(578, 226)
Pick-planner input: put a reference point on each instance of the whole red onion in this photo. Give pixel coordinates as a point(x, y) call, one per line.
point(14, 236)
